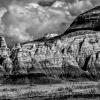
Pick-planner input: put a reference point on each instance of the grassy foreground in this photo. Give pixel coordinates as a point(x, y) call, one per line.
point(60, 91)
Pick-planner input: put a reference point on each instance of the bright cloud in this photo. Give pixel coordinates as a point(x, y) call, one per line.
point(24, 21)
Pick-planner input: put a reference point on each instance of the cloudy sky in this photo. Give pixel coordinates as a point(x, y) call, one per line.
point(23, 20)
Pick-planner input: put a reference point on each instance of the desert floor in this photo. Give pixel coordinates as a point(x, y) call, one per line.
point(89, 90)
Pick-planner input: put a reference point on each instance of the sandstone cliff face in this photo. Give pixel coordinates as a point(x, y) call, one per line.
point(73, 54)
point(77, 50)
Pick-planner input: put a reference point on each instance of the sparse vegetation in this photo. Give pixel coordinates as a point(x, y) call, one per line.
point(50, 91)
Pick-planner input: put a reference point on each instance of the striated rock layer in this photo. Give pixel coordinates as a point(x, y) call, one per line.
point(80, 53)
point(72, 55)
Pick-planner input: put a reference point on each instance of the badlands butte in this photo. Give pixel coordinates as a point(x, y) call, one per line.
point(75, 53)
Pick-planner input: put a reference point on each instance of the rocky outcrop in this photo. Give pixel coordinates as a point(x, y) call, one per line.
point(75, 51)
point(73, 54)
point(5, 61)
